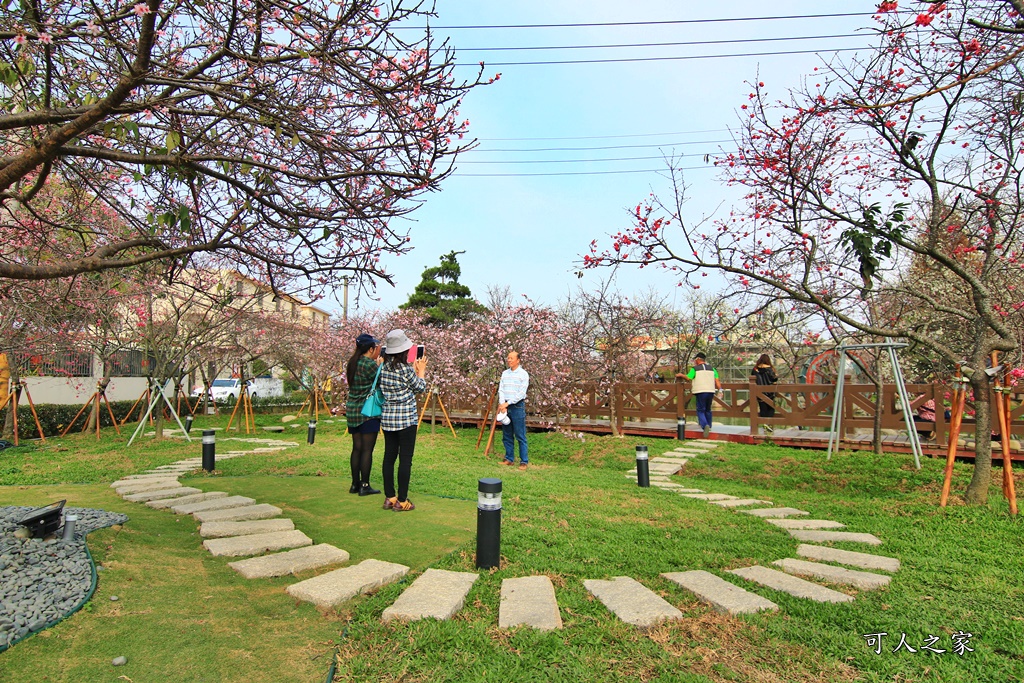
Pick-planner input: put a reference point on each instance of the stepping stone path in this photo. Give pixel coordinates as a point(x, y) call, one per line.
point(826, 536)
point(333, 588)
point(719, 593)
point(291, 562)
point(239, 546)
point(436, 594)
point(805, 524)
point(727, 597)
point(826, 572)
point(849, 557)
point(790, 584)
point(529, 601)
point(632, 602)
point(238, 526)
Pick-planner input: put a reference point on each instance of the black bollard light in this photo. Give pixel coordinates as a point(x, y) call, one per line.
point(311, 432)
point(643, 469)
point(209, 449)
point(681, 428)
point(188, 423)
point(488, 523)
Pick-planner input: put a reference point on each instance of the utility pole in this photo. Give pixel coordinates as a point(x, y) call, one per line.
point(344, 301)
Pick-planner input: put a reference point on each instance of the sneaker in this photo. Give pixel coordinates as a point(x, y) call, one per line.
point(403, 506)
point(354, 488)
point(707, 431)
point(367, 490)
point(389, 503)
point(507, 462)
point(522, 465)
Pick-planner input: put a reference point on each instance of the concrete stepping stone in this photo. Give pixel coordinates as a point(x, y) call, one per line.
point(159, 485)
point(632, 602)
point(141, 484)
point(806, 524)
point(719, 593)
point(174, 468)
point(257, 544)
point(740, 502)
point(213, 504)
point(709, 496)
point(529, 601)
point(165, 503)
point(854, 559)
point(678, 488)
point(436, 594)
point(334, 588)
point(241, 514)
point(776, 512)
point(141, 479)
point(781, 581)
point(668, 469)
point(826, 536)
point(258, 526)
point(290, 562)
point(161, 494)
point(827, 572)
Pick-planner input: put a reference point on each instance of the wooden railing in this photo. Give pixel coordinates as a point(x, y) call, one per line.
point(808, 406)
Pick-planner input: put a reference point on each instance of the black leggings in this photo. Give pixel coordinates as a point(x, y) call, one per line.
point(398, 445)
point(362, 457)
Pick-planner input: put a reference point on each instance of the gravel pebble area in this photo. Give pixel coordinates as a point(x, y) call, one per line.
point(43, 581)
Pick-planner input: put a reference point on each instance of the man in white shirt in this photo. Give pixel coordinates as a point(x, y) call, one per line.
point(512, 401)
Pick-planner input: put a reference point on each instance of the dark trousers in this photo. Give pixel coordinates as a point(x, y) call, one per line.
point(515, 431)
point(398, 446)
point(765, 409)
point(704, 408)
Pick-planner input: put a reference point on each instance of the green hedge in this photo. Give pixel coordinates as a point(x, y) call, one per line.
point(54, 417)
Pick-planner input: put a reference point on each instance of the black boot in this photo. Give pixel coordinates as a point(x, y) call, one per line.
point(354, 488)
point(367, 490)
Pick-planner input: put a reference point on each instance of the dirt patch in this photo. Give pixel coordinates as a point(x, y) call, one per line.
point(727, 649)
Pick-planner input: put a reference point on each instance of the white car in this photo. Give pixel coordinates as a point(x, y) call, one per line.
point(225, 390)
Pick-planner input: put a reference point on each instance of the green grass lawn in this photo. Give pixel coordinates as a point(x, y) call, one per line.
point(185, 616)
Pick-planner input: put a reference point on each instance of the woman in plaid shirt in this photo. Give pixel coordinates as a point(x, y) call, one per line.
point(400, 384)
point(360, 373)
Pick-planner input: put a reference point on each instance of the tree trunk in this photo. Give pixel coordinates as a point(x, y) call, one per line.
point(8, 432)
point(876, 432)
point(977, 490)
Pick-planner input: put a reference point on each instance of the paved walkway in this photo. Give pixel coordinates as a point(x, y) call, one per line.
point(242, 527)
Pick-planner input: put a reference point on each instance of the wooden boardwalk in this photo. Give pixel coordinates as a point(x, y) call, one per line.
point(651, 410)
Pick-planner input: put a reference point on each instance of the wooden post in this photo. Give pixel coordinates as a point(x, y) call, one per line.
point(70, 424)
point(132, 409)
point(446, 416)
point(32, 407)
point(959, 397)
point(483, 418)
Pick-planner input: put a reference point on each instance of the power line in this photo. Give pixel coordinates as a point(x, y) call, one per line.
point(476, 150)
point(608, 137)
point(562, 161)
point(666, 59)
point(672, 44)
point(572, 173)
point(640, 23)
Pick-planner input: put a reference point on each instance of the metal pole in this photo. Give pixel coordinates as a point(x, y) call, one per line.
point(311, 432)
point(209, 449)
point(837, 406)
point(908, 418)
point(188, 423)
point(643, 468)
point(488, 523)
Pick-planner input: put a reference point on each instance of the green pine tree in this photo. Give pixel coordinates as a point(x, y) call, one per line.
point(440, 295)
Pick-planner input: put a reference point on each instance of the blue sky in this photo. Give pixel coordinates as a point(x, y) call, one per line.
point(528, 231)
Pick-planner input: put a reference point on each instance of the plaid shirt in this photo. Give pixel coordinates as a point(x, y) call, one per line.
point(400, 388)
point(366, 370)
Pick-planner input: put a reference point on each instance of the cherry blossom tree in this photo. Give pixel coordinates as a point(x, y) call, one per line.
point(909, 154)
point(278, 138)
